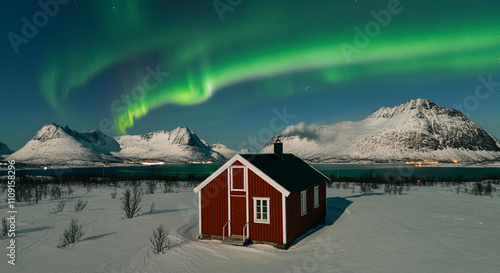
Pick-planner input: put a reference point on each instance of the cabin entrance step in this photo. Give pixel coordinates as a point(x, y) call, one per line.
point(236, 240)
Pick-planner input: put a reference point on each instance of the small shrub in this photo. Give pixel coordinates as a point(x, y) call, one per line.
point(113, 194)
point(160, 240)
point(73, 234)
point(488, 189)
point(80, 205)
point(60, 206)
point(5, 227)
point(365, 188)
point(55, 193)
point(151, 186)
point(130, 201)
point(477, 188)
point(168, 188)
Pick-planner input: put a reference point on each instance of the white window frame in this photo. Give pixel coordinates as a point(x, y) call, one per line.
point(303, 202)
point(244, 178)
point(316, 196)
point(255, 199)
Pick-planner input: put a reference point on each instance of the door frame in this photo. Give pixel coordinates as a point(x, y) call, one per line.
point(229, 195)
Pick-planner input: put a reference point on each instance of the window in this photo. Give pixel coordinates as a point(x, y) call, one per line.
point(261, 210)
point(303, 202)
point(316, 196)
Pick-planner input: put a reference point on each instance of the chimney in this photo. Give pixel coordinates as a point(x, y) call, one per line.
point(278, 148)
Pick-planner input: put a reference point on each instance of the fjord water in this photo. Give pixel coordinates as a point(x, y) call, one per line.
point(350, 170)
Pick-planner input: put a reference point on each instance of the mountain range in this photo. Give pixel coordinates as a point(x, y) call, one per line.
point(417, 130)
point(60, 145)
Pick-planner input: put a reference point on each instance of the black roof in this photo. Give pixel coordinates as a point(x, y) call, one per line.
point(291, 172)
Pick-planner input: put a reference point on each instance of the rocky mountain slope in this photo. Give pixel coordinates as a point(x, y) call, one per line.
point(416, 130)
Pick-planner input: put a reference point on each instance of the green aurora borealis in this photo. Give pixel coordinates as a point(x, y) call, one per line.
point(274, 43)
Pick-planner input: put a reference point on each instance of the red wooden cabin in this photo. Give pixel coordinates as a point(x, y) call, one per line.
point(262, 198)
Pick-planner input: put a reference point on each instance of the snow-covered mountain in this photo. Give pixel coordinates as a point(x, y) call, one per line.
point(59, 145)
point(4, 150)
point(179, 145)
point(415, 130)
point(226, 151)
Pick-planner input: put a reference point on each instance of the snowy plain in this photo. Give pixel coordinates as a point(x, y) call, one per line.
point(426, 229)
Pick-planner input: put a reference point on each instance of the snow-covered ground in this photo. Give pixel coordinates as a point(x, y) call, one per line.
point(427, 229)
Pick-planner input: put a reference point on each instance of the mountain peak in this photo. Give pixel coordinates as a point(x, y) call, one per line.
point(420, 101)
point(415, 107)
point(416, 130)
point(52, 131)
point(4, 149)
point(181, 130)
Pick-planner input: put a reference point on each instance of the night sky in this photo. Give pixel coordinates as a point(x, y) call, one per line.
point(228, 69)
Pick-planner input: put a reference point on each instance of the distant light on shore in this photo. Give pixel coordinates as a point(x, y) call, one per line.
point(152, 163)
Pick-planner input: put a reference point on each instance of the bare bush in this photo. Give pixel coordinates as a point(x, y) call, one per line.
point(131, 200)
point(160, 240)
point(80, 205)
point(365, 188)
point(477, 188)
point(73, 234)
point(488, 189)
point(168, 189)
point(55, 193)
point(60, 206)
point(113, 194)
point(151, 186)
point(394, 189)
point(5, 227)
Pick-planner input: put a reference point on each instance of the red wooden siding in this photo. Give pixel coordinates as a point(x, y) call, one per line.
point(214, 205)
point(272, 232)
point(297, 224)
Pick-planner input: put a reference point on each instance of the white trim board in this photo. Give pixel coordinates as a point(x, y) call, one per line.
point(199, 211)
point(283, 213)
point(250, 166)
point(244, 177)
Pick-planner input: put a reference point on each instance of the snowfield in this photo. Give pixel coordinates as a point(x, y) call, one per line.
point(427, 229)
